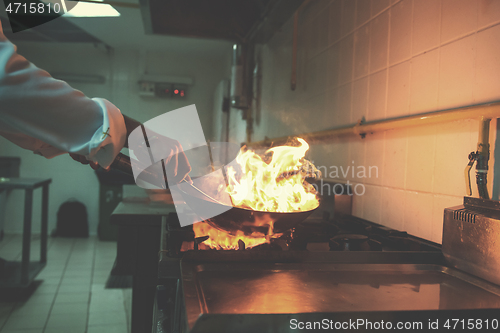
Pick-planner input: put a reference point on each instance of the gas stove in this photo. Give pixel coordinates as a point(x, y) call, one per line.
point(345, 233)
point(331, 269)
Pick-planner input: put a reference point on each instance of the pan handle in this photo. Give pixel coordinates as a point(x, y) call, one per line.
point(123, 163)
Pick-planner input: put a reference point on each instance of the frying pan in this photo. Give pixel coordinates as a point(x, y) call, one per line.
point(232, 219)
point(237, 219)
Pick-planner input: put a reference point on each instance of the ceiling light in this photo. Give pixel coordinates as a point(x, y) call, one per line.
point(86, 9)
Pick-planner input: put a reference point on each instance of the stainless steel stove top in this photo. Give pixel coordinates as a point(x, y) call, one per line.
point(303, 285)
point(343, 269)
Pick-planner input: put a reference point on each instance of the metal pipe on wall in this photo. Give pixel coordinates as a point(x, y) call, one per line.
point(238, 94)
point(293, 83)
point(488, 111)
point(483, 155)
point(295, 37)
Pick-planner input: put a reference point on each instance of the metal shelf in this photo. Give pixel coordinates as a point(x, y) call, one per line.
point(11, 276)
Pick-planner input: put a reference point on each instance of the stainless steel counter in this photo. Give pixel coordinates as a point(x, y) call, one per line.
point(233, 285)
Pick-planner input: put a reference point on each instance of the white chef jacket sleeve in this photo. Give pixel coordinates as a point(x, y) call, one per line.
point(49, 117)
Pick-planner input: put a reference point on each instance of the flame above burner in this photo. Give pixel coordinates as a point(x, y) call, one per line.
point(221, 240)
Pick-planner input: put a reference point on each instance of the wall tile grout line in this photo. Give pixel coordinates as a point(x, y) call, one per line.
point(59, 285)
point(439, 52)
point(94, 255)
point(488, 26)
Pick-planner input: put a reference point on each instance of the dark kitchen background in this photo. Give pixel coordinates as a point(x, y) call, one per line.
point(356, 60)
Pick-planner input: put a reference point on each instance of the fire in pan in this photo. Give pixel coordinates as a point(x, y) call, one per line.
point(264, 194)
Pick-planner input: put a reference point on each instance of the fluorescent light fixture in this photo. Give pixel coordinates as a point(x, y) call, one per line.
point(79, 78)
point(86, 9)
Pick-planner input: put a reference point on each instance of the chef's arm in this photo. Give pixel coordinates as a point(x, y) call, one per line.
point(130, 125)
point(49, 117)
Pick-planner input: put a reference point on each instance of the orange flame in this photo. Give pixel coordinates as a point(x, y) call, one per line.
point(274, 186)
point(277, 186)
point(222, 240)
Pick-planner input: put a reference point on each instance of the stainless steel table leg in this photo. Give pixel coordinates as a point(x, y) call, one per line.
point(25, 263)
point(44, 231)
point(176, 321)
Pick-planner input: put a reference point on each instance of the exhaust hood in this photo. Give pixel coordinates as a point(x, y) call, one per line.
point(233, 20)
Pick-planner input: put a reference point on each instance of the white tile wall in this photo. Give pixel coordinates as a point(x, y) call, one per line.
point(363, 12)
point(335, 21)
point(377, 95)
point(346, 59)
point(487, 66)
point(488, 13)
point(394, 167)
point(348, 16)
point(379, 28)
point(332, 104)
point(379, 6)
point(361, 51)
point(360, 99)
point(456, 73)
point(426, 25)
point(405, 57)
point(315, 79)
point(398, 90)
point(333, 65)
point(424, 82)
point(372, 198)
point(400, 32)
point(374, 158)
point(420, 158)
point(343, 113)
point(459, 18)
point(390, 199)
point(418, 214)
point(356, 158)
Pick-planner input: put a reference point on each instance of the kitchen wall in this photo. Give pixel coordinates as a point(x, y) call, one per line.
point(381, 59)
point(122, 69)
